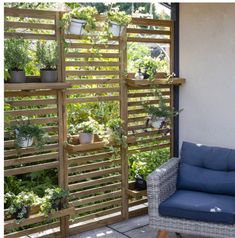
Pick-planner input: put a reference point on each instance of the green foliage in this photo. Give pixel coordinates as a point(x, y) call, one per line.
point(25, 129)
point(162, 110)
point(52, 197)
point(117, 132)
point(16, 54)
point(119, 17)
point(19, 203)
point(82, 13)
point(47, 54)
point(146, 162)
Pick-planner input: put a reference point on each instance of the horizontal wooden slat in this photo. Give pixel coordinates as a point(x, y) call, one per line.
point(92, 46)
point(29, 93)
point(83, 168)
point(92, 99)
point(92, 55)
point(33, 112)
point(91, 72)
point(86, 184)
point(150, 32)
point(29, 36)
point(85, 37)
point(148, 40)
point(93, 81)
point(97, 189)
point(37, 102)
point(151, 22)
point(93, 174)
point(39, 26)
point(30, 169)
point(30, 159)
point(105, 196)
point(91, 90)
point(92, 63)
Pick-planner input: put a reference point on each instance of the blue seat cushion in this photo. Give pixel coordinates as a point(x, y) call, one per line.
point(199, 206)
point(207, 169)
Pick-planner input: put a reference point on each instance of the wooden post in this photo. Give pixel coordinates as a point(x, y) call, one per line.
point(172, 87)
point(124, 117)
point(62, 123)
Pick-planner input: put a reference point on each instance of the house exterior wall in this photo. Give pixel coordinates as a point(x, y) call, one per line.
point(207, 61)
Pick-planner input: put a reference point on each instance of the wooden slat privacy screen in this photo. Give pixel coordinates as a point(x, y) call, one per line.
point(97, 181)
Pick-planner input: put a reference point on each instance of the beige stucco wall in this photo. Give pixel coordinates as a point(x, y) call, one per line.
point(207, 61)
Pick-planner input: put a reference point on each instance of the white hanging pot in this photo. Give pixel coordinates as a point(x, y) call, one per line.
point(156, 122)
point(86, 138)
point(24, 142)
point(76, 26)
point(110, 135)
point(115, 29)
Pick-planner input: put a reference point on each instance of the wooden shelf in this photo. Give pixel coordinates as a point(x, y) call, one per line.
point(132, 192)
point(98, 144)
point(34, 86)
point(12, 224)
point(160, 81)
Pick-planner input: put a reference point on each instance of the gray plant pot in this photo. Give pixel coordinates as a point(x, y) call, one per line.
point(86, 138)
point(17, 77)
point(48, 76)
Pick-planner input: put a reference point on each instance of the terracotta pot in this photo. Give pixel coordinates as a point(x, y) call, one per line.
point(17, 76)
point(86, 138)
point(48, 76)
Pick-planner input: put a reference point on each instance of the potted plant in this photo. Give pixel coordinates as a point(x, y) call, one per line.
point(116, 133)
point(150, 67)
point(20, 204)
point(79, 19)
point(117, 21)
point(158, 115)
point(27, 133)
point(47, 57)
point(16, 58)
point(87, 130)
point(52, 200)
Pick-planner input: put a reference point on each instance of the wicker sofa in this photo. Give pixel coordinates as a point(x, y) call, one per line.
point(167, 182)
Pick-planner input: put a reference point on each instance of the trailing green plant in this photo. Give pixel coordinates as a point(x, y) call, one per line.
point(117, 132)
point(90, 126)
point(47, 55)
point(82, 13)
point(162, 110)
point(16, 55)
point(52, 200)
point(145, 163)
point(20, 204)
point(120, 17)
point(26, 130)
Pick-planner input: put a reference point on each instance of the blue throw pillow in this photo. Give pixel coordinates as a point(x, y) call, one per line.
point(207, 169)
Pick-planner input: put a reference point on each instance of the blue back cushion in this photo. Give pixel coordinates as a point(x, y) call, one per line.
point(207, 169)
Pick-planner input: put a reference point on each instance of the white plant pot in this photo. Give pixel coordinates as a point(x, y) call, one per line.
point(157, 122)
point(76, 27)
point(115, 29)
point(110, 135)
point(24, 142)
point(86, 138)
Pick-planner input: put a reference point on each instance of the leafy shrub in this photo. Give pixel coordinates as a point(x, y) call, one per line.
point(47, 54)
point(119, 17)
point(16, 54)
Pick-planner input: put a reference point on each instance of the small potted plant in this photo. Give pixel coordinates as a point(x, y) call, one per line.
point(27, 133)
point(158, 115)
point(47, 57)
point(116, 133)
point(87, 130)
point(52, 200)
point(117, 21)
point(20, 204)
point(16, 57)
point(150, 67)
point(79, 19)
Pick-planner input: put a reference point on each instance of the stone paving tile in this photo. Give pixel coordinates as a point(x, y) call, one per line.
point(130, 224)
point(103, 232)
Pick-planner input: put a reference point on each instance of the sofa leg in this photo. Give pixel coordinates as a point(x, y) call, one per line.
point(162, 234)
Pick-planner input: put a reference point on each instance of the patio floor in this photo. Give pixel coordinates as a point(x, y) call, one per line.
point(132, 228)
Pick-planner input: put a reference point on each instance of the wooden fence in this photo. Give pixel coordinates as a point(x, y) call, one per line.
point(100, 192)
